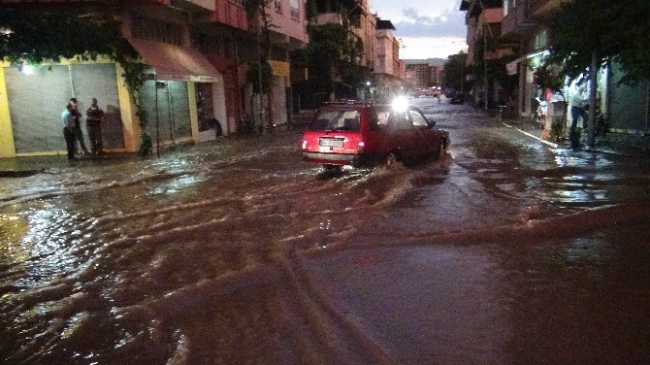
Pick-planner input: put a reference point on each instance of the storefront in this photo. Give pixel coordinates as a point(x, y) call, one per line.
point(183, 92)
point(32, 103)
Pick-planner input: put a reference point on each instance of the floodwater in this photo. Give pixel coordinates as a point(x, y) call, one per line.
point(237, 252)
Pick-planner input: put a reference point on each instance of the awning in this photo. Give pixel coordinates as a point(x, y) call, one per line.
point(175, 63)
point(511, 67)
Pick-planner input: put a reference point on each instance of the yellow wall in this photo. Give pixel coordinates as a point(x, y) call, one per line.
point(7, 147)
point(129, 119)
point(194, 115)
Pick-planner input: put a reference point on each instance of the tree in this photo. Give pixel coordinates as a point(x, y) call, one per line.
point(588, 34)
point(455, 71)
point(333, 55)
point(259, 74)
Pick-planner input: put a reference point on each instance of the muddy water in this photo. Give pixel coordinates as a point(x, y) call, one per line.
point(236, 252)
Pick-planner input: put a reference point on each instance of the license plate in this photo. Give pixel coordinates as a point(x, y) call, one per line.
point(330, 142)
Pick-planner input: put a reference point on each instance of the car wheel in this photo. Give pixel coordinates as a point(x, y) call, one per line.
point(391, 160)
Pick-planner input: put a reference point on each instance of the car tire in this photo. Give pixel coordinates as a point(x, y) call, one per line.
point(391, 160)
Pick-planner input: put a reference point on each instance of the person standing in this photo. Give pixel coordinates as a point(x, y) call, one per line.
point(69, 134)
point(77, 129)
point(94, 118)
point(578, 108)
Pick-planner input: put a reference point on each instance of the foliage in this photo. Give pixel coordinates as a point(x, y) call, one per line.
point(607, 29)
point(350, 12)
point(454, 71)
point(253, 76)
point(37, 38)
point(548, 77)
point(333, 56)
point(557, 129)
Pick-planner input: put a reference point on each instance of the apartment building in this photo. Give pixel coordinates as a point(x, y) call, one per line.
point(485, 43)
point(418, 76)
point(388, 69)
point(380, 47)
point(517, 21)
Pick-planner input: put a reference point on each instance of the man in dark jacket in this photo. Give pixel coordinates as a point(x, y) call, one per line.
point(94, 118)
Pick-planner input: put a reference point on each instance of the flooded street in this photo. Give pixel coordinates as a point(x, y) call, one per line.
point(237, 252)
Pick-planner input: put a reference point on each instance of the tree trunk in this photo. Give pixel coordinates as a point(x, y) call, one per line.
point(593, 84)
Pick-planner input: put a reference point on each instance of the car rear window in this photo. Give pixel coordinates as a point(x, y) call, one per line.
point(336, 120)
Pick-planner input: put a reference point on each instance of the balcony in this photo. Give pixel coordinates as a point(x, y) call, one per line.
point(518, 22)
point(328, 18)
point(195, 6)
point(521, 20)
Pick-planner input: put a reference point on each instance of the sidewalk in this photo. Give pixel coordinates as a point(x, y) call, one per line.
point(633, 145)
point(26, 166)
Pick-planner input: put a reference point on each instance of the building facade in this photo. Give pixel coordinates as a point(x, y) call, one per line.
point(199, 52)
point(516, 24)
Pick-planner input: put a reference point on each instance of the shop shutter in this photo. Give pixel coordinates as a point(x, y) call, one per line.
point(171, 119)
point(100, 81)
point(35, 104)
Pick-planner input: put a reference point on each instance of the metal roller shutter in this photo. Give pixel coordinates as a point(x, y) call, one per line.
point(171, 120)
point(36, 102)
point(100, 81)
point(35, 105)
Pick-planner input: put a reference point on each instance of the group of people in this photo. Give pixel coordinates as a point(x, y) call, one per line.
point(72, 133)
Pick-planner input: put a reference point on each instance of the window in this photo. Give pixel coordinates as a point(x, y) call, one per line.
point(157, 31)
point(238, 2)
point(418, 119)
point(541, 41)
point(336, 120)
point(295, 9)
point(278, 6)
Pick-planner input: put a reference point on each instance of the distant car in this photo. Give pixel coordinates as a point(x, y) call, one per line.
point(360, 134)
point(457, 99)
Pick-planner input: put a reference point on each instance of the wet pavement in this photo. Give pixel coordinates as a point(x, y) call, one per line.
point(633, 145)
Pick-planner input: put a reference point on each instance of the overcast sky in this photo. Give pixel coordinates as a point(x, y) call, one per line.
point(427, 28)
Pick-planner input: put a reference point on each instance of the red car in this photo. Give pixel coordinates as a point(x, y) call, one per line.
point(359, 134)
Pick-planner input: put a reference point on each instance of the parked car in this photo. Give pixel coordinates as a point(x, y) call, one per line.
point(456, 98)
point(362, 134)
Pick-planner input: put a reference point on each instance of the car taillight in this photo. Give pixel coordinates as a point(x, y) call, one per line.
point(361, 147)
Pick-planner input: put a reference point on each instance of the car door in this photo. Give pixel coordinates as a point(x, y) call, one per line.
point(400, 133)
point(375, 139)
point(423, 140)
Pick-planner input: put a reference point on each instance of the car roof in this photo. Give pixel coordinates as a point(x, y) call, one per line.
point(353, 103)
